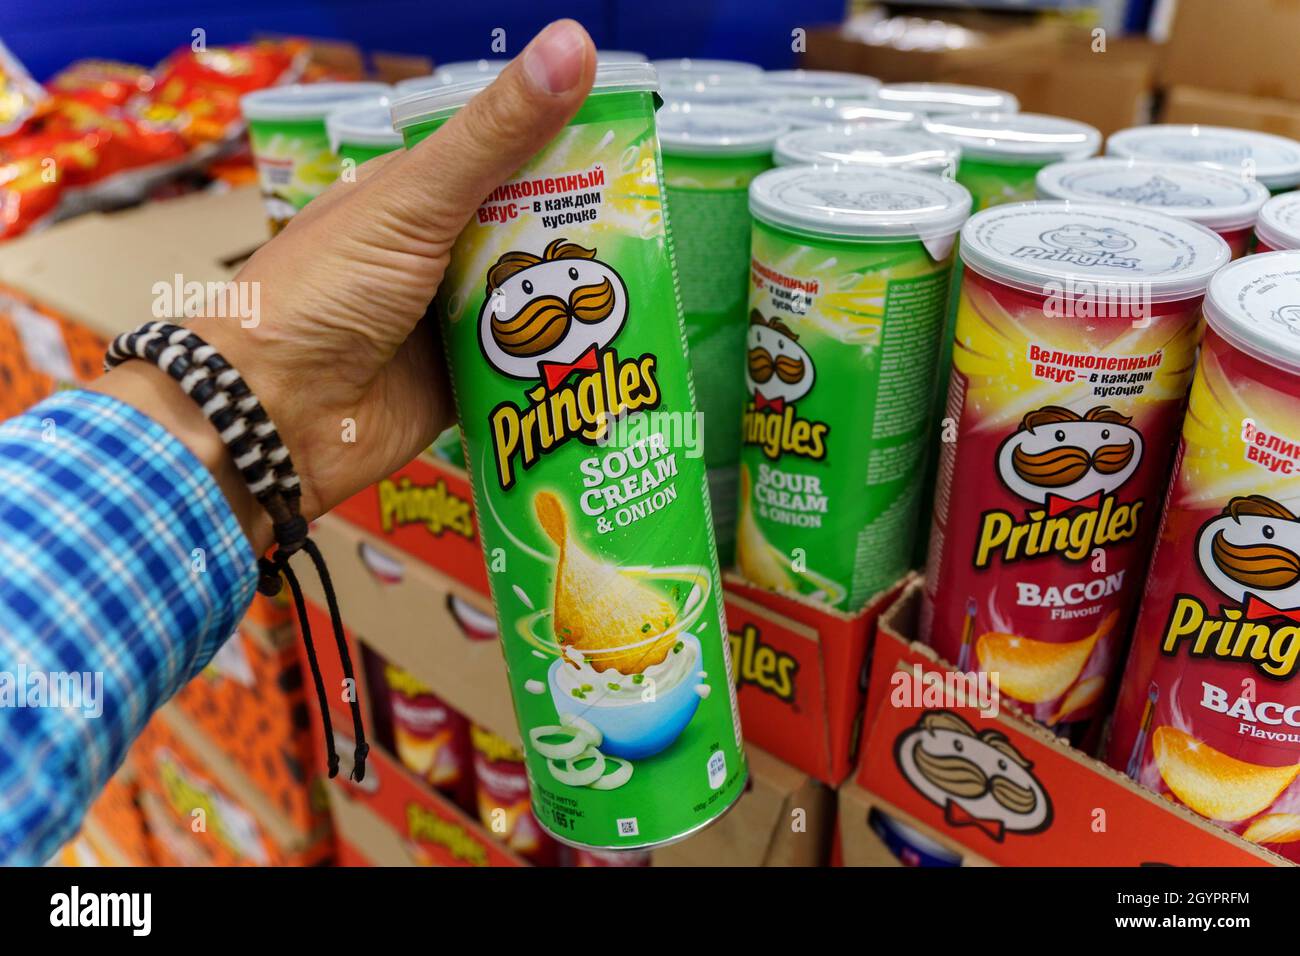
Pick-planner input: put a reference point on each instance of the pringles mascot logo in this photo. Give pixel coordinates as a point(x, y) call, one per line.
point(1069, 466)
point(1084, 245)
point(552, 319)
point(778, 373)
point(1250, 553)
point(978, 779)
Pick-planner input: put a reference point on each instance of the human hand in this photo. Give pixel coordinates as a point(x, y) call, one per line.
point(344, 288)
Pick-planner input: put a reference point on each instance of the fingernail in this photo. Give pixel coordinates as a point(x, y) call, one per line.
point(553, 61)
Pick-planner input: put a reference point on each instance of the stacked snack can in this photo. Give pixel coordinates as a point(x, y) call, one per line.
point(286, 128)
point(854, 145)
point(1278, 226)
point(1270, 159)
point(501, 793)
point(1216, 199)
point(849, 282)
point(710, 157)
point(564, 335)
point(1209, 709)
point(937, 99)
point(817, 86)
point(430, 738)
point(362, 131)
point(1076, 336)
point(816, 114)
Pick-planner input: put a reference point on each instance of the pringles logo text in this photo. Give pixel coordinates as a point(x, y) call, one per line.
point(779, 372)
point(405, 503)
point(762, 665)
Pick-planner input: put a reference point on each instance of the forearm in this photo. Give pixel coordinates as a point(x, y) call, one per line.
point(122, 570)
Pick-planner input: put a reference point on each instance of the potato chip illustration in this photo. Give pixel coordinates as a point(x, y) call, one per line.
point(757, 560)
point(1036, 671)
point(1212, 783)
point(599, 610)
point(1081, 695)
point(1274, 828)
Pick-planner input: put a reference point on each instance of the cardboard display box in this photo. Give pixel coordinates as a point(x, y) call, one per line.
point(250, 702)
point(799, 669)
point(433, 626)
point(67, 291)
point(1082, 813)
point(1050, 68)
point(113, 832)
point(784, 818)
point(1246, 47)
point(425, 509)
point(997, 41)
point(1190, 104)
point(873, 832)
point(201, 809)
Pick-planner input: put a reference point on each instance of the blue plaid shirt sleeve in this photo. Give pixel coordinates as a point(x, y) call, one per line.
point(122, 570)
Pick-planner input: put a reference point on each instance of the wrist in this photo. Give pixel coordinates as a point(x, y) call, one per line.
point(153, 393)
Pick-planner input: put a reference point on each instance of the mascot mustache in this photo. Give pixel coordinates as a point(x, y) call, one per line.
point(1264, 566)
point(1058, 467)
point(964, 779)
point(544, 321)
point(762, 366)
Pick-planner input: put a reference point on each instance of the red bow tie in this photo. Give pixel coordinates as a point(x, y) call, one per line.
point(556, 372)
point(1257, 610)
point(957, 816)
point(1056, 505)
point(761, 402)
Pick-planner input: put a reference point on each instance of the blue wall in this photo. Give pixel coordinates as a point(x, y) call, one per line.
point(48, 34)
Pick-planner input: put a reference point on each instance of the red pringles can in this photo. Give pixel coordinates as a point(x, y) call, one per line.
point(1209, 708)
point(501, 786)
point(1278, 225)
point(431, 739)
point(1076, 335)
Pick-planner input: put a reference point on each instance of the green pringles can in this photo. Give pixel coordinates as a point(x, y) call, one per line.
point(710, 157)
point(362, 131)
point(847, 296)
point(286, 129)
point(564, 336)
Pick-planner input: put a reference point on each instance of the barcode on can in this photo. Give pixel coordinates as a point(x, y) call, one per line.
point(627, 827)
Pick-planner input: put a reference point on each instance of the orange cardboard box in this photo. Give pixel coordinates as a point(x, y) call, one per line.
point(799, 675)
point(1069, 810)
point(113, 832)
point(202, 811)
point(1246, 47)
point(426, 510)
point(251, 703)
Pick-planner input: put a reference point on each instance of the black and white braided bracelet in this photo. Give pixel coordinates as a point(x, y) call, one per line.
point(263, 462)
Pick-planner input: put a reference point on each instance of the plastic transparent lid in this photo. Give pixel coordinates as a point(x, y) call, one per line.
point(619, 56)
point(688, 128)
point(725, 91)
point(1119, 251)
point(460, 70)
point(417, 84)
point(365, 123)
point(810, 114)
point(859, 203)
point(1278, 225)
point(939, 98)
point(420, 106)
point(828, 83)
point(1212, 197)
point(1016, 137)
point(1276, 159)
point(1255, 304)
point(861, 146)
point(306, 101)
point(709, 71)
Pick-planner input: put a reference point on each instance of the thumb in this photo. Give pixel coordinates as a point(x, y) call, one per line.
point(438, 184)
